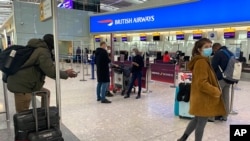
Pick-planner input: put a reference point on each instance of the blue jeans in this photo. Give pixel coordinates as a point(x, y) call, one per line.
point(138, 76)
point(101, 90)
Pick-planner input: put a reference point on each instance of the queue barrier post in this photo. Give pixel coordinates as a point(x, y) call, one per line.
point(175, 76)
point(232, 102)
point(92, 67)
point(5, 94)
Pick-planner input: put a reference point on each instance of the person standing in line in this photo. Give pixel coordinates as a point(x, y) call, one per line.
point(78, 54)
point(205, 96)
point(102, 64)
point(220, 59)
point(136, 72)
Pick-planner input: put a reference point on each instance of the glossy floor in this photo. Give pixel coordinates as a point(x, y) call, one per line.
point(150, 118)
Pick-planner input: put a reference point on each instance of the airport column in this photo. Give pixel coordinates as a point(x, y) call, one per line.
point(55, 32)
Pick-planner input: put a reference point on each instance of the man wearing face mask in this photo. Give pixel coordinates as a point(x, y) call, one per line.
point(220, 59)
point(32, 77)
point(136, 72)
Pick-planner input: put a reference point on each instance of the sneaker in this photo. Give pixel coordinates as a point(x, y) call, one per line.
point(106, 101)
point(126, 96)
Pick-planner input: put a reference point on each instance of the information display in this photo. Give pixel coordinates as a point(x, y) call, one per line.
point(229, 35)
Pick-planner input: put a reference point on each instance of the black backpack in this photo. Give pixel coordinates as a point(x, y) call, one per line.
point(12, 58)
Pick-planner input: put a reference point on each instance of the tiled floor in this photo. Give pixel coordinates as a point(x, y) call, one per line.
point(150, 118)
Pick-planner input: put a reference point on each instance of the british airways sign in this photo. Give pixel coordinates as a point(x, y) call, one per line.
point(198, 13)
point(123, 21)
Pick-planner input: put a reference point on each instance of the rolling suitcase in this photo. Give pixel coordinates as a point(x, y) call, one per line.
point(49, 134)
point(24, 122)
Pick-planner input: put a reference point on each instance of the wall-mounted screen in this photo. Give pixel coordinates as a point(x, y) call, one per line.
point(197, 36)
point(97, 39)
point(229, 35)
point(124, 39)
point(143, 38)
point(180, 37)
point(156, 38)
point(68, 4)
point(248, 34)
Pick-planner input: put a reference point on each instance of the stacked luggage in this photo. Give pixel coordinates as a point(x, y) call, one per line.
point(38, 124)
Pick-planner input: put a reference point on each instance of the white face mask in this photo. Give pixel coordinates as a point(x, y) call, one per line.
point(109, 51)
point(133, 54)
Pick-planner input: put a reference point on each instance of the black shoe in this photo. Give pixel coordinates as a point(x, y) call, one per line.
point(210, 120)
point(138, 96)
point(108, 94)
point(126, 96)
point(106, 101)
point(98, 99)
point(183, 138)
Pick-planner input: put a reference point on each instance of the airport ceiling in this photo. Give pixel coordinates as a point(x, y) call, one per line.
point(106, 6)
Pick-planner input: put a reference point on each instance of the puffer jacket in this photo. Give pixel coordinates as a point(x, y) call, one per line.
point(205, 96)
point(32, 78)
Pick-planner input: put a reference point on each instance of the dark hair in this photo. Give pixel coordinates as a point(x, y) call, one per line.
point(199, 44)
point(166, 52)
point(49, 40)
point(216, 45)
point(102, 43)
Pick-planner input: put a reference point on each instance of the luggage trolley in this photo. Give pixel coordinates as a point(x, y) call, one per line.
point(121, 79)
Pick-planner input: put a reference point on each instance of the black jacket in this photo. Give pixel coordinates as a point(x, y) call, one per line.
point(139, 60)
point(102, 64)
point(220, 59)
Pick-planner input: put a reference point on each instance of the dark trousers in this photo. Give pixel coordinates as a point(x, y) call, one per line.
point(138, 76)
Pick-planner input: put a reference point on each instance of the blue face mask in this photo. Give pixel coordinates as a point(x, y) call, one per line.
point(207, 52)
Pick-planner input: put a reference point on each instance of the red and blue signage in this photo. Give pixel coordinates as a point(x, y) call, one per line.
point(193, 14)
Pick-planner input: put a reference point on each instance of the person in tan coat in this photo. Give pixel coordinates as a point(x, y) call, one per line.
point(205, 96)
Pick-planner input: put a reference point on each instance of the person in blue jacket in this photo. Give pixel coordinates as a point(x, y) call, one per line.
point(220, 59)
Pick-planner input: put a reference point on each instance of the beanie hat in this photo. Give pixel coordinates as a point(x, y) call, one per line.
point(49, 39)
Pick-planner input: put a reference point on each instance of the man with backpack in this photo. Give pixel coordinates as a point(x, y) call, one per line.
point(31, 76)
point(219, 63)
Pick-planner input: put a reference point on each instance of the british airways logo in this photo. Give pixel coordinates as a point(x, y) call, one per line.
point(134, 20)
point(109, 22)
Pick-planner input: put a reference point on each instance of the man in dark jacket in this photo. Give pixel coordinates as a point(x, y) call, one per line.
point(136, 72)
point(220, 59)
point(32, 79)
point(102, 65)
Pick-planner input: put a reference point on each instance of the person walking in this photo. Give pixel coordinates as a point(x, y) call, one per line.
point(205, 96)
point(136, 72)
point(102, 65)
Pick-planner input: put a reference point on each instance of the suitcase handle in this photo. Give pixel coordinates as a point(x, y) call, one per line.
point(45, 94)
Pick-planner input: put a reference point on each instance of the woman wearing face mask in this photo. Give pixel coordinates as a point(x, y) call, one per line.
point(136, 72)
point(205, 96)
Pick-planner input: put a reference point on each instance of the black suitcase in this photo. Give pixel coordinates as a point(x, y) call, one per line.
point(24, 122)
point(49, 134)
